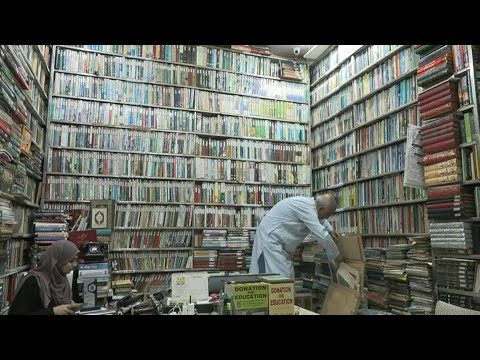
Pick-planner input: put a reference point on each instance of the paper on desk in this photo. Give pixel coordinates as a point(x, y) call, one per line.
point(348, 276)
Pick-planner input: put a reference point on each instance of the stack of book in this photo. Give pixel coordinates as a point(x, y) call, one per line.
point(377, 286)
point(88, 272)
point(211, 239)
point(122, 287)
point(438, 100)
point(238, 239)
point(452, 238)
point(435, 65)
point(419, 272)
point(396, 274)
point(49, 226)
point(205, 259)
point(231, 259)
point(450, 202)
point(290, 70)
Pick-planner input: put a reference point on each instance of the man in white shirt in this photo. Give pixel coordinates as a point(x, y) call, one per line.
point(284, 228)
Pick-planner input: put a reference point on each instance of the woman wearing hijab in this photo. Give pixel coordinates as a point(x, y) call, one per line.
point(46, 290)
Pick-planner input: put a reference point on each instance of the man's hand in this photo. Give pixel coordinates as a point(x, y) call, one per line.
point(334, 235)
point(66, 309)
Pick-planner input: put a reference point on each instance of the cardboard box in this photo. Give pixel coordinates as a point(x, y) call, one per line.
point(340, 299)
point(281, 295)
point(304, 300)
point(248, 298)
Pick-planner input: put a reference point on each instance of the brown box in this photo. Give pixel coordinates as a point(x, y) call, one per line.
point(340, 299)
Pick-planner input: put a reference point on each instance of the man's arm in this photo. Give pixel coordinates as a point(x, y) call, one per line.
point(308, 216)
point(330, 229)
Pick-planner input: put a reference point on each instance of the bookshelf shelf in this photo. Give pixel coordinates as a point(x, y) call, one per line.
point(362, 72)
point(336, 186)
point(175, 108)
point(179, 85)
point(458, 292)
point(467, 144)
point(343, 118)
point(338, 65)
point(153, 228)
point(465, 108)
point(360, 153)
point(233, 205)
point(398, 203)
point(177, 63)
point(150, 249)
point(395, 234)
point(369, 122)
point(14, 271)
point(370, 94)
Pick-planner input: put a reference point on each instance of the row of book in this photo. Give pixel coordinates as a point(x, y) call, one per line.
point(455, 238)
point(384, 190)
point(364, 138)
point(135, 216)
point(383, 220)
point(222, 193)
point(231, 170)
point(228, 217)
point(85, 137)
point(223, 259)
point(252, 128)
point(187, 98)
point(393, 68)
point(220, 238)
point(107, 163)
point(217, 58)
point(395, 96)
point(87, 188)
point(149, 239)
point(128, 260)
point(153, 282)
point(60, 188)
point(375, 163)
point(156, 72)
point(122, 140)
point(13, 254)
point(103, 114)
point(434, 66)
point(362, 60)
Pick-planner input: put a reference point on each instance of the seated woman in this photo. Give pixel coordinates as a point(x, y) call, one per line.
point(45, 290)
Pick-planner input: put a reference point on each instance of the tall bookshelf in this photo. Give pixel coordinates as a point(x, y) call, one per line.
point(455, 232)
point(24, 79)
point(362, 100)
point(186, 139)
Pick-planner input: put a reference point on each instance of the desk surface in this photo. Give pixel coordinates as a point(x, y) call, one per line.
point(302, 311)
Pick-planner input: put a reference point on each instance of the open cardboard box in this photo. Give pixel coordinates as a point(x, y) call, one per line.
point(342, 300)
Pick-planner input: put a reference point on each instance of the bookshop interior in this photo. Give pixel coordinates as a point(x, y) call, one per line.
point(239, 179)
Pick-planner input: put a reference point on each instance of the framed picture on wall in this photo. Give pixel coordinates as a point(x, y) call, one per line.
point(102, 214)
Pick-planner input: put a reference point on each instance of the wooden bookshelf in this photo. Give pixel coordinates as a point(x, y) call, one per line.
point(274, 115)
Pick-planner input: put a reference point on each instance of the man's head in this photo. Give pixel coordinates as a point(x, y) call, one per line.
point(326, 205)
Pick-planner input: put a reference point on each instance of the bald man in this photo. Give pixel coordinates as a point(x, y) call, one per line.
point(284, 228)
